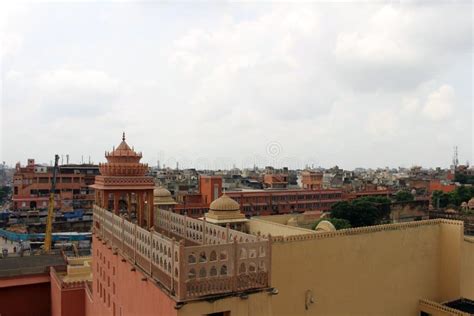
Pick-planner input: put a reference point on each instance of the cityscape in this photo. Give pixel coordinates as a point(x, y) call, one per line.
point(219, 175)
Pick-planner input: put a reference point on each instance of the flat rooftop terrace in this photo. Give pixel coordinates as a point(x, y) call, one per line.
point(191, 259)
point(27, 265)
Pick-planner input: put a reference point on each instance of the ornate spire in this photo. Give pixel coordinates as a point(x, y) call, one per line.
point(123, 136)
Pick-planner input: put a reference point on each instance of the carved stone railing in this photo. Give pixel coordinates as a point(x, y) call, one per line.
point(199, 231)
point(221, 261)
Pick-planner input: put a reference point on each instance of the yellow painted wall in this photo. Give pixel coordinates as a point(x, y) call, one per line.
point(257, 304)
point(254, 226)
point(367, 272)
point(451, 239)
point(467, 268)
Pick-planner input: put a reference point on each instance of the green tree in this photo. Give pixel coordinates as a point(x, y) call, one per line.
point(439, 199)
point(359, 212)
point(404, 196)
point(4, 192)
point(454, 198)
point(463, 179)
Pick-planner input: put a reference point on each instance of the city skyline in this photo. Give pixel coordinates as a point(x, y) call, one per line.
point(352, 85)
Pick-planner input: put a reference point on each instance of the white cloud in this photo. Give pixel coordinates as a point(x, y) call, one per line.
point(10, 29)
point(440, 104)
point(67, 91)
point(400, 46)
point(337, 82)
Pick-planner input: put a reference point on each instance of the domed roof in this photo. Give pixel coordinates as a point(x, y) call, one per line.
point(162, 196)
point(161, 192)
point(292, 222)
point(471, 203)
point(224, 203)
point(325, 226)
point(123, 150)
point(123, 161)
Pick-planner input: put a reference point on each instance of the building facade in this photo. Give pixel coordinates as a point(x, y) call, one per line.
point(32, 185)
point(173, 264)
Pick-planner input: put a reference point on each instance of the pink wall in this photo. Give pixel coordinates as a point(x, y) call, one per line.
point(69, 301)
point(31, 296)
point(116, 287)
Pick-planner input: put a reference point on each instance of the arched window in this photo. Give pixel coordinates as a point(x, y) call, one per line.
point(223, 255)
point(202, 257)
point(213, 271)
point(202, 273)
point(213, 256)
point(252, 253)
point(252, 267)
point(242, 268)
point(243, 253)
point(224, 270)
point(192, 274)
point(191, 258)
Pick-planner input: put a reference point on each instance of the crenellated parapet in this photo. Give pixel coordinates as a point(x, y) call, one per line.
point(365, 230)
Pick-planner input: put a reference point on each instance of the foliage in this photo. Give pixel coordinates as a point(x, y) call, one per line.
point(362, 211)
point(463, 179)
point(404, 196)
point(455, 198)
point(4, 192)
point(338, 223)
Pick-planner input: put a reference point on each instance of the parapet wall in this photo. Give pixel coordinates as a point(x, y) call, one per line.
point(368, 270)
point(261, 226)
point(223, 261)
point(467, 268)
point(360, 230)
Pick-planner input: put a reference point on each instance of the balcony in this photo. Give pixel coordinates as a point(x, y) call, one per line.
point(199, 261)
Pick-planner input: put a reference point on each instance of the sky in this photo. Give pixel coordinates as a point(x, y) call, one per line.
point(222, 84)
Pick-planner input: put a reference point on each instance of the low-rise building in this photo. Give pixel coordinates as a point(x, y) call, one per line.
point(32, 185)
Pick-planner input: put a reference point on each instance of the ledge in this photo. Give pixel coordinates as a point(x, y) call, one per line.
point(366, 230)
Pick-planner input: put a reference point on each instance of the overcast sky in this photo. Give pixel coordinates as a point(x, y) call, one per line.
point(214, 84)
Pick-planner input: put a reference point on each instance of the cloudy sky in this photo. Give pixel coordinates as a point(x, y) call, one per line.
point(216, 84)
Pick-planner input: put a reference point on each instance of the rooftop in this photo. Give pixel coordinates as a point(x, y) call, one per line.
point(27, 265)
point(189, 258)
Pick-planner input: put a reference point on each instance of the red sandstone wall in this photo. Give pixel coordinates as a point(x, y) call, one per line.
point(117, 288)
point(206, 188)
point(72, 302)
point(55, 298)
point(88, 304)
point(25, 300)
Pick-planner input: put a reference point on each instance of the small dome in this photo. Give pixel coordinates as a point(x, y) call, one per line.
point(470, 204)
point(325, 226)
point(161, 192)
point(292, 222)
point(224, 203)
